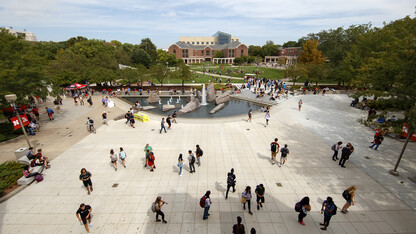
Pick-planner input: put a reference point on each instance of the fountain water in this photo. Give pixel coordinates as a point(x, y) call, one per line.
point(182, 106)
point(177, 101)
point(204, 96)
point(170, 100)
point(160, 102)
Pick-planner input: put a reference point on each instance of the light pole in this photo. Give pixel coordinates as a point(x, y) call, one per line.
point(167, 68)
point(11, 98)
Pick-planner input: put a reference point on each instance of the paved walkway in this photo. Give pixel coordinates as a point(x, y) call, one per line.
point(49, 207)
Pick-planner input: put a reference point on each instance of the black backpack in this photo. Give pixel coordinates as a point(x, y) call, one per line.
point(193, 159)
point(230, 179)
point(346, 195)
point(201, 152)
point(91, 121)
point(273, 148)
point(334, 211)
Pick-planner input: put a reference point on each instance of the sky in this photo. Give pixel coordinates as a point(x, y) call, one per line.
point(164, 21)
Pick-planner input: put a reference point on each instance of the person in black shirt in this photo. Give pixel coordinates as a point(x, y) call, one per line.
point(239, 228)
point(304, 208)
point(168, 121)
point(85, 177)
point(260, 190)
point(198, 153)
point(230, 182)
point(85, 212)
point(174, 117)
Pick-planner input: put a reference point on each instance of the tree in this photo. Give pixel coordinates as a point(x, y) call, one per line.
point(150, 48)
point(296, 71)
point(141, 57)
point(311, 54)
point(21, 68)
point(164, 57)
point(239, 61)
point(255, 50)
point(218, 54)
point(159, 72)
point(291, 44)
point(134, 75)
point(270, 49)
point(184, 73)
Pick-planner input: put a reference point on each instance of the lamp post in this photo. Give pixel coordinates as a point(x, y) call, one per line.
point(167, 68)
point(11, 98)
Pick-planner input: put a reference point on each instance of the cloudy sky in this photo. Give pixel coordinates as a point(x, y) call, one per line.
point(254, 21)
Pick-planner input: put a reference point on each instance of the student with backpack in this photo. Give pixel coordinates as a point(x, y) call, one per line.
point(191, 159)
point(274, 148)
point(50, 113)
point(205, 203)
point(336, 147)
point(348, 195)
point(302, 207)
point(199, 154)
point(151, 160)
point(156, 208)
point(345, 154)
point(29, 173)
point(230, 182)
point(377, 141)
point(239, 228)
point(284, 152)
point(328, 209)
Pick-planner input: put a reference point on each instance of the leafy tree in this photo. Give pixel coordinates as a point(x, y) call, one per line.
point(296, 71)
point(290, 44)
point(255, 51)
point(219, 54)
point(150, 48)
point(134, 75)
point(159, 72)
point(184, 73)
point(269, 49)
point(140, 56)
point(251, 59)
point(21, 68)
point(239, 60)
point(164, 57)
point(311, 54)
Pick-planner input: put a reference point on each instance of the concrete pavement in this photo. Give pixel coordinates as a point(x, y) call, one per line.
point(50, 206)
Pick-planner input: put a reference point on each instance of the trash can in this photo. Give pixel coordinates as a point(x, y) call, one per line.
point(20, 152)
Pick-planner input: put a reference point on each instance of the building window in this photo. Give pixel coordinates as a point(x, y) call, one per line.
point(207, 43)
point(208, 51)
point(242, 52)
point(174, 51)
point(184, 53)
point(232, 53)
point(202, 43)
point(197, 42)
point(212, 43)
point(202, 52)
point(188, 42)
point(193, 43)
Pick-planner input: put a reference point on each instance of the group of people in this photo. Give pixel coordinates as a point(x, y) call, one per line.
point(284, 152)
point(346, 151)
point(191, 159)
point(37, 159)
point(114, 157)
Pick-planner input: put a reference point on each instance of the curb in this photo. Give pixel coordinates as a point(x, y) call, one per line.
point(11, 194)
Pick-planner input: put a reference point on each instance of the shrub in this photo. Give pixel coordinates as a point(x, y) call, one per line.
point(10, 172)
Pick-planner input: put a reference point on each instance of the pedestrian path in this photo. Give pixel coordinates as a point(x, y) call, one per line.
point(121, 200)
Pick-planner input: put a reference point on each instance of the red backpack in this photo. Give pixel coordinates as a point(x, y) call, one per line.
point(202, 202)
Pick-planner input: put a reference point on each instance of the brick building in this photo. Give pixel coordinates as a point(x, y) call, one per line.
point(201, 49)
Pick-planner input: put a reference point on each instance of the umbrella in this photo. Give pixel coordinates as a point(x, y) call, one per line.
point(75, 86)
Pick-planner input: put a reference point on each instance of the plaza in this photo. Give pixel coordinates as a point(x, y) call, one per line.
point(121, 200)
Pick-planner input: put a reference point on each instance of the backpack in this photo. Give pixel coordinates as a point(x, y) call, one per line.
point(230, 180)
point(154, 207)
point(334, 211)
point(202, 202)
point(193, 159)
point(333, 147)
point(297, 207)
point(32, 163)
point(151, 157)
point(201, 152)
point(91, 121)
point(39, 178)
point(273, 148)
point(346, 195)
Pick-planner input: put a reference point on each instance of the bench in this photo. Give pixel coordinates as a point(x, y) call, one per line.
point(24, 160)
point(26, 181)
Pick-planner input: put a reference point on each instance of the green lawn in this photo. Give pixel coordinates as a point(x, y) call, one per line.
point(198, 78)
point(10, 172)
point(227, 70)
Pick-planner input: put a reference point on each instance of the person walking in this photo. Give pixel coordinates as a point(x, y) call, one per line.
point(284, 152)
point(113, 158)
point(207, 205)
point(260, 191)
point(246, 198)
point(230, 182)
point(174, 115)
point(132, 121)
point(146, 148)
point(104, 118)
point(157, 206)
point(199, 154)
point(150, 160)
point(50, 113)
point(250, 114)
point(122, 155)
point(85, 177)
point(304, 208)
point(89, 100)
point(169, 121)
point(162, 126)
point(336, 147)
point(191, 159)
point(328, 209)
point(348, 195)
point(83, 214)
point(239, 228)
point(377, 141)
point(180, 164)
point(267, 117)
point(300, 104)
point(274, 148)
point(345, 154)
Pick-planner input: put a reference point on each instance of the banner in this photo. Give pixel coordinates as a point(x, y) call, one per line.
point(16, 123)
point(406, 131)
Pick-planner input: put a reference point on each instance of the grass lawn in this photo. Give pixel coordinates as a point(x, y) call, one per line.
point(10, 172)
point(198, 78)
point(227, 70)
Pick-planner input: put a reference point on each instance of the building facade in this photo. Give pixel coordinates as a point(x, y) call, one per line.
point(27, 35)
point(201, 49)
point(285, 56)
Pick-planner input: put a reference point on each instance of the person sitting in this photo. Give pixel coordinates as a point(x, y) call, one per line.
point(29, 154)
point(40, 160)
point(354, 102)
point(29, 173)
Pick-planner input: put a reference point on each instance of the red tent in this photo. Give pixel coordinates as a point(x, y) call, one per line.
point(75, 86)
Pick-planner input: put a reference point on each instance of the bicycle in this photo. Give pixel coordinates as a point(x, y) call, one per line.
point(91, 128)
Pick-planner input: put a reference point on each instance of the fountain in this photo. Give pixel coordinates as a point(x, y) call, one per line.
point(182, 106)
point(177, 101)
point(204, 96)
point(168, 102)
point(160, 102)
